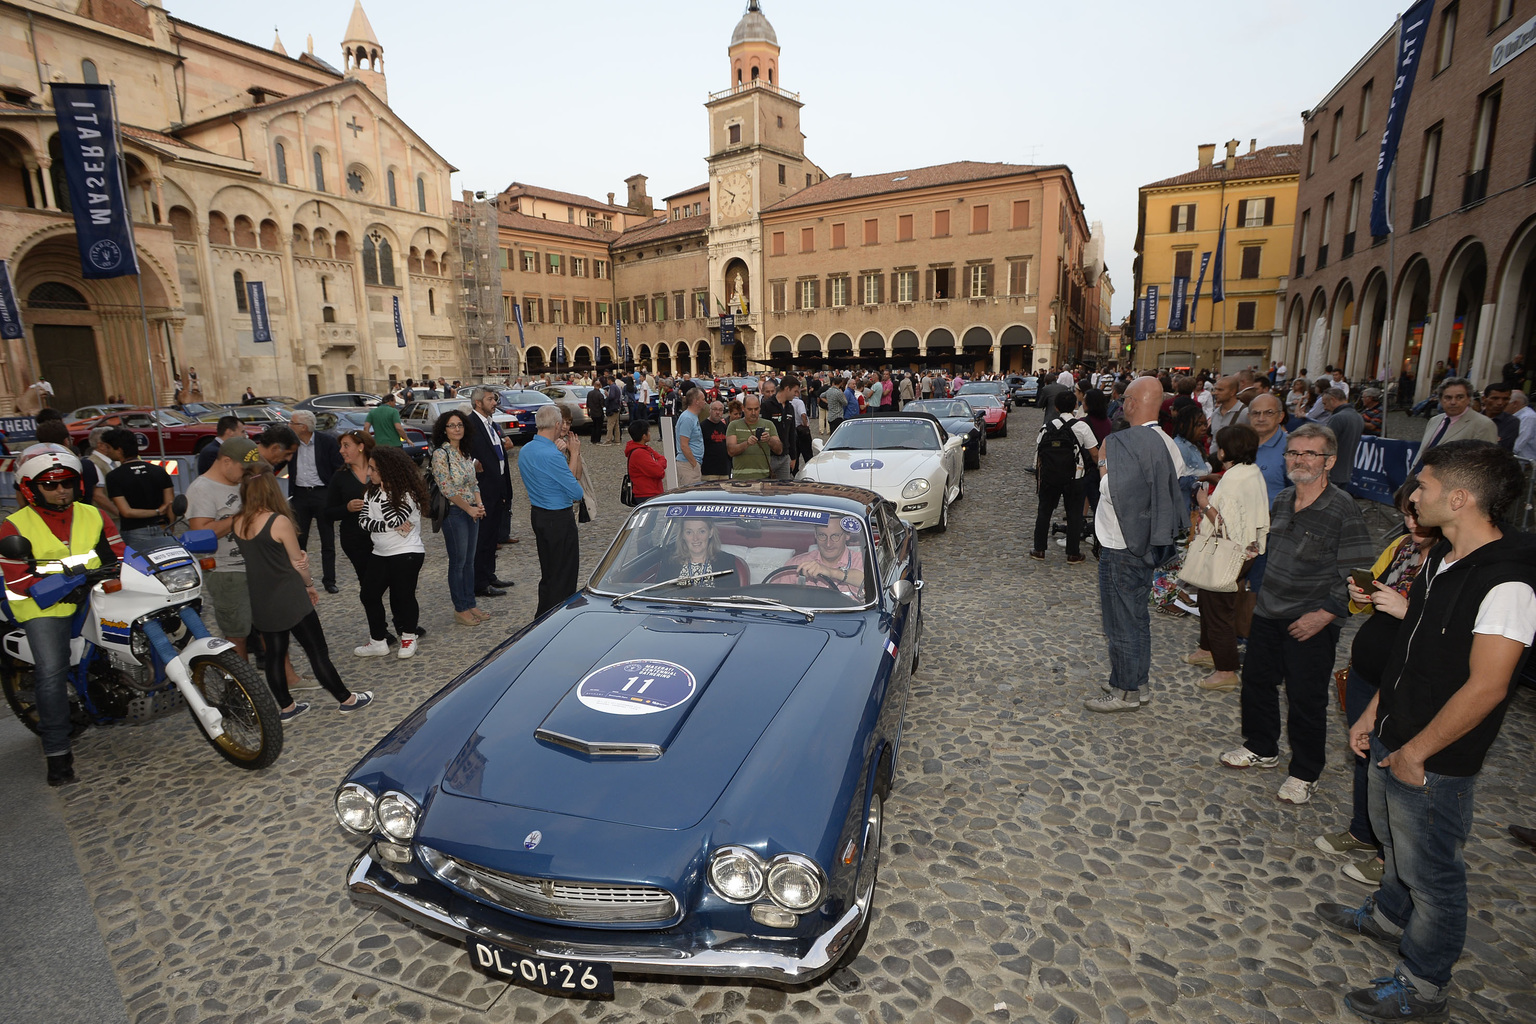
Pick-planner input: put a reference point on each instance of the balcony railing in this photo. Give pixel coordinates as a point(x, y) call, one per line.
point(1421, 210)
point(1349, 246)
point(1475, 188)
point(756, 83)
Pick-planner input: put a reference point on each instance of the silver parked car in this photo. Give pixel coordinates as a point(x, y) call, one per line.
point(572, 397)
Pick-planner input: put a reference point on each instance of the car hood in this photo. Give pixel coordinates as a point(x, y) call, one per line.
point(877, 468)
point(539, 747)
point(957, 427)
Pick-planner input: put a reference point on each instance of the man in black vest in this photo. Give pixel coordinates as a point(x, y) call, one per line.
point(493, 453)
point(1470, 620)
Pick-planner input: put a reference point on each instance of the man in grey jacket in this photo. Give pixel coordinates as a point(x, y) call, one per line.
point(1137, 523)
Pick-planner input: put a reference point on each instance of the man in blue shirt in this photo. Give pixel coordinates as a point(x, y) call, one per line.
point(551, 483)
point(690, 440)
point(1265, 416)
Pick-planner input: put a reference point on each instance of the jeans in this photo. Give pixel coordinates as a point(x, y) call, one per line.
point(49, 637)
point(460, 531)
point(308, 504)
point(554, 530)
point(1051, 492)
point(1423, 830)
point(1358, 694)
point(396, 574)
point(312, 638)
point(1306, 669)
point(1125, 583)
point(145, 538)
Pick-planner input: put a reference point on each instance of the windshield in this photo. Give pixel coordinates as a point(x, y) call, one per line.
point(913, 435)
point(982, 401)
point(525, 398)
point(982, 387)
point(950, 410)
point(807, 558)
point(749, 383)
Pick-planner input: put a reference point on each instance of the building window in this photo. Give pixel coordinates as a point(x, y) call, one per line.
point(1356, 187)
point(578, 266)
point(679, 306)
point(1312, 154)
point(600, 269)
point(701, 305)
point(782, 174)
point(906, 286)
point(978, 280)
point(506, 259)
point(240, 301)
point(808, 291)
point(1326, 233)
point(431, 303)
point(1245, 315)
point(88, 73)
point(378, 262)
point(981, 217)
point(1251, 257)
point(282, 164)
point(1503, 10)
point(603, 316)
point(807, 181)
point(659, 308)
point(319, 172)
point(1181, 218)
point(421, 194)
point(624, 311)
point(1364, 124)
point(1021, 213)
point(777, 248)
point(355, 182)
point(733, 134)
point(807, 239)
point(837, 289)
point(839, 235)
point(904, 228)
point(872, 231)
point(869, 286)
point(552, 263)
point(557, 311)
point(1447, 45)
point(1018, 277)
point(1429, 164)
point(776, 296)
point(940, 223)
point(1476, 187)
point(1338, 131)
point(1304, 240)
point(1182, 261)
point(1256, 213)
point(530, 262)
point(942, 283)
point(390, 179)
point(531, 309)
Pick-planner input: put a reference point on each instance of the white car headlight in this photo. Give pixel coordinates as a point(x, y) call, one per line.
point(397, 816)
point(178, 580)
point(736, 874)
point(354, 808)
point(794, 882)
point(915, 488)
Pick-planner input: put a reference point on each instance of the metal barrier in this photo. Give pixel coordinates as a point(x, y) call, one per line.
point(182, 469)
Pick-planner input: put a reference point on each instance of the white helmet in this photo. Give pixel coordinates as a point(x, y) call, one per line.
point(53, 461)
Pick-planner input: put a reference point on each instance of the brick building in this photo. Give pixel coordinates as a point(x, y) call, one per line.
point(1457, 280)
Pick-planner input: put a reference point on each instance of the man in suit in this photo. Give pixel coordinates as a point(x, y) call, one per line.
point(1458, 420)
point(493, 453)
point(314, 460)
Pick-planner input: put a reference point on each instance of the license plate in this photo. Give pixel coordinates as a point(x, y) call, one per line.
point(578, 979)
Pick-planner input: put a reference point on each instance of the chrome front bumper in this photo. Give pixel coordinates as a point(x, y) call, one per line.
point(369, 887)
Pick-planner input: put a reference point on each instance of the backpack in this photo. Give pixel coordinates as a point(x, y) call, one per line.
point(1059, 452)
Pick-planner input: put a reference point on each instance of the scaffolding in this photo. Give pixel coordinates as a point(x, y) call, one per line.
point(485, 333)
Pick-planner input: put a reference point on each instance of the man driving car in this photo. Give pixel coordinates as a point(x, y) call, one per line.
point(832, 562)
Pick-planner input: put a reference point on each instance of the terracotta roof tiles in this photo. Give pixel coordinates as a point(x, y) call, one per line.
point(540, 225)
point(518, 188)
point(1269, 162)
point(660, 229)
point(846, 186)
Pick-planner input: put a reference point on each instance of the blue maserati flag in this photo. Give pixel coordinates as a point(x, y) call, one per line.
point(1411, 30)
point(1141, 319)
point(88, 140)
point(559, 349)
point(1152, 297)
point(399, 328)
point(517, 313)
point(1176, 304)
point(1194, 306)
point(10, 312)
point(1219, 270)
point(256, 301)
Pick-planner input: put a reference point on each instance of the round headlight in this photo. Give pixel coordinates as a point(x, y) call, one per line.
point(397, 816)
point(914, 488)
point(736, 874)
point(794, 882)
point(354, 808)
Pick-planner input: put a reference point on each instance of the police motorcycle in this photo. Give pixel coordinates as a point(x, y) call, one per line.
point(138, 637)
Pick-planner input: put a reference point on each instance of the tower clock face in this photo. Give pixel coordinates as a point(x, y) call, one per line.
point(735, 194)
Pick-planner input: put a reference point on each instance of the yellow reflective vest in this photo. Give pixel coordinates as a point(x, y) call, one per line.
point(53, 556)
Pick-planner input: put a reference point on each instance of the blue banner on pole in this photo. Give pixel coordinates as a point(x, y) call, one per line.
point(1411, 30)
point(1152, 297)
point(256, 302)
point(1176, 304)
point(625, 356)
point(10, 311)
point(1381, 466)
point(517, 313)
point(1219, 267)
point(727, 330)
point(1194, 306)
point(89, 152)
point(559, 350)
point(399, 327)
point(1139, 317)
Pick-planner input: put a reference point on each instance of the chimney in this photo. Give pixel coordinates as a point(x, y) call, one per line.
point(1207, 152)
point(1231, 162)
point(1253, 144)
point(638, 200)
point(610, 198)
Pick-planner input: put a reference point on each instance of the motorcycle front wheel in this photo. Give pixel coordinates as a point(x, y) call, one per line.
point(17, 680)
point(253, 730)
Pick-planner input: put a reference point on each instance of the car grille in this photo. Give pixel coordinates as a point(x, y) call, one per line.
point(587, 902)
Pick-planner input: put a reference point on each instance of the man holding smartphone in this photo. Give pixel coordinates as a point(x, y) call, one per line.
point(750, 441)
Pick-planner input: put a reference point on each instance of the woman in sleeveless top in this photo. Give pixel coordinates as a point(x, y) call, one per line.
point(283, 596)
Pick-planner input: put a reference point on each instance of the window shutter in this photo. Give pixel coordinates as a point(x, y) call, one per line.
point(1173, 218)
point(928, 285)
point(880, 288)
point(1269, 211)
point(815, 294)
point(895, 285)
point(986, 279)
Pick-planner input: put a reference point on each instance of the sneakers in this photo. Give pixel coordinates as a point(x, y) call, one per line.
point(407, 646)
point(1116, 700)
point(1220, 682)
point(1366, 872)
point(1359, 920)
point(1242, 757)
point(1144, 694)
point(1395, 999)
point(1200, 659)
point(298, 709)
point(363, 699)
point(373, 649)
point(1295, 791)
point(1341, 842)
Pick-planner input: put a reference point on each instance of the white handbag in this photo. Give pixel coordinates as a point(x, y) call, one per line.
point(1214, 559)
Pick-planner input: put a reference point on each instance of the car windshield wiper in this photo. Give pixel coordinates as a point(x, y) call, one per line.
point(772, 602)
point(681, 581)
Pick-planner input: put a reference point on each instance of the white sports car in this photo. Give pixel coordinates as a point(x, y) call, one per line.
point(907, 458)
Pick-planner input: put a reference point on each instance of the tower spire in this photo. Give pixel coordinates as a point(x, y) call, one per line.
point(363, 54)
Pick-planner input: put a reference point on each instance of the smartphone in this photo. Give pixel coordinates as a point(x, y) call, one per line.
point(1363, 579)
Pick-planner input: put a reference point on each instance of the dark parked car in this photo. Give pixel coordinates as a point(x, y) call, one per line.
point(1025, 390)
point(677, 770)
point(338, 401)
point(522, 405)
point(338, 422)
point(958, 420)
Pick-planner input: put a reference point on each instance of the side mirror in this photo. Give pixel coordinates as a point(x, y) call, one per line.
point(902, 592)
point(179, 505)
point(16, 547)
point(817, 444)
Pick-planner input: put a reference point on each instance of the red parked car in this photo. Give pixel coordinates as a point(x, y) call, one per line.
point(993, 409)
point(183, 435)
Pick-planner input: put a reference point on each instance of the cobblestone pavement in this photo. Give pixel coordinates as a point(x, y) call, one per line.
point(1041, 863)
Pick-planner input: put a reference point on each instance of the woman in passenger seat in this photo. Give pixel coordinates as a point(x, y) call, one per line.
point(697, 554)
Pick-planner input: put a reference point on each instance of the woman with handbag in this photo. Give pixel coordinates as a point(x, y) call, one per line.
point(392, 514)
point(647, 467)
point(453, 467)
point(1233, 525)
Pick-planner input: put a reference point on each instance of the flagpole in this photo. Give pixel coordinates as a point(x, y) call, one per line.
point(1391, 278)
point(149, 351)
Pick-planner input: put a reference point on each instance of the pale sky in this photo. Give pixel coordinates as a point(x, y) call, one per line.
point(579, 96)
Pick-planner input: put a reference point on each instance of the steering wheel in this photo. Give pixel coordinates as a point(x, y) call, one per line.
point(792, 574)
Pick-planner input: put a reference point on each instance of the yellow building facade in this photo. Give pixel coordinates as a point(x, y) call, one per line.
point(1179, 220)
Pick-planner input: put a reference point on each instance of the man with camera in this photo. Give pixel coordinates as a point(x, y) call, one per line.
point(750, 441)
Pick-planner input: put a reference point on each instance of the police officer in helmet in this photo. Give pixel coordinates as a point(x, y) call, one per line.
point(67, 535)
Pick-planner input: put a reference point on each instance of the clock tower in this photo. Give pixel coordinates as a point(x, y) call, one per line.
point(756, 158)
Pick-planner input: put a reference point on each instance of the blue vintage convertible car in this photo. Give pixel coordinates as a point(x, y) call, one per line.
point(680, 770)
